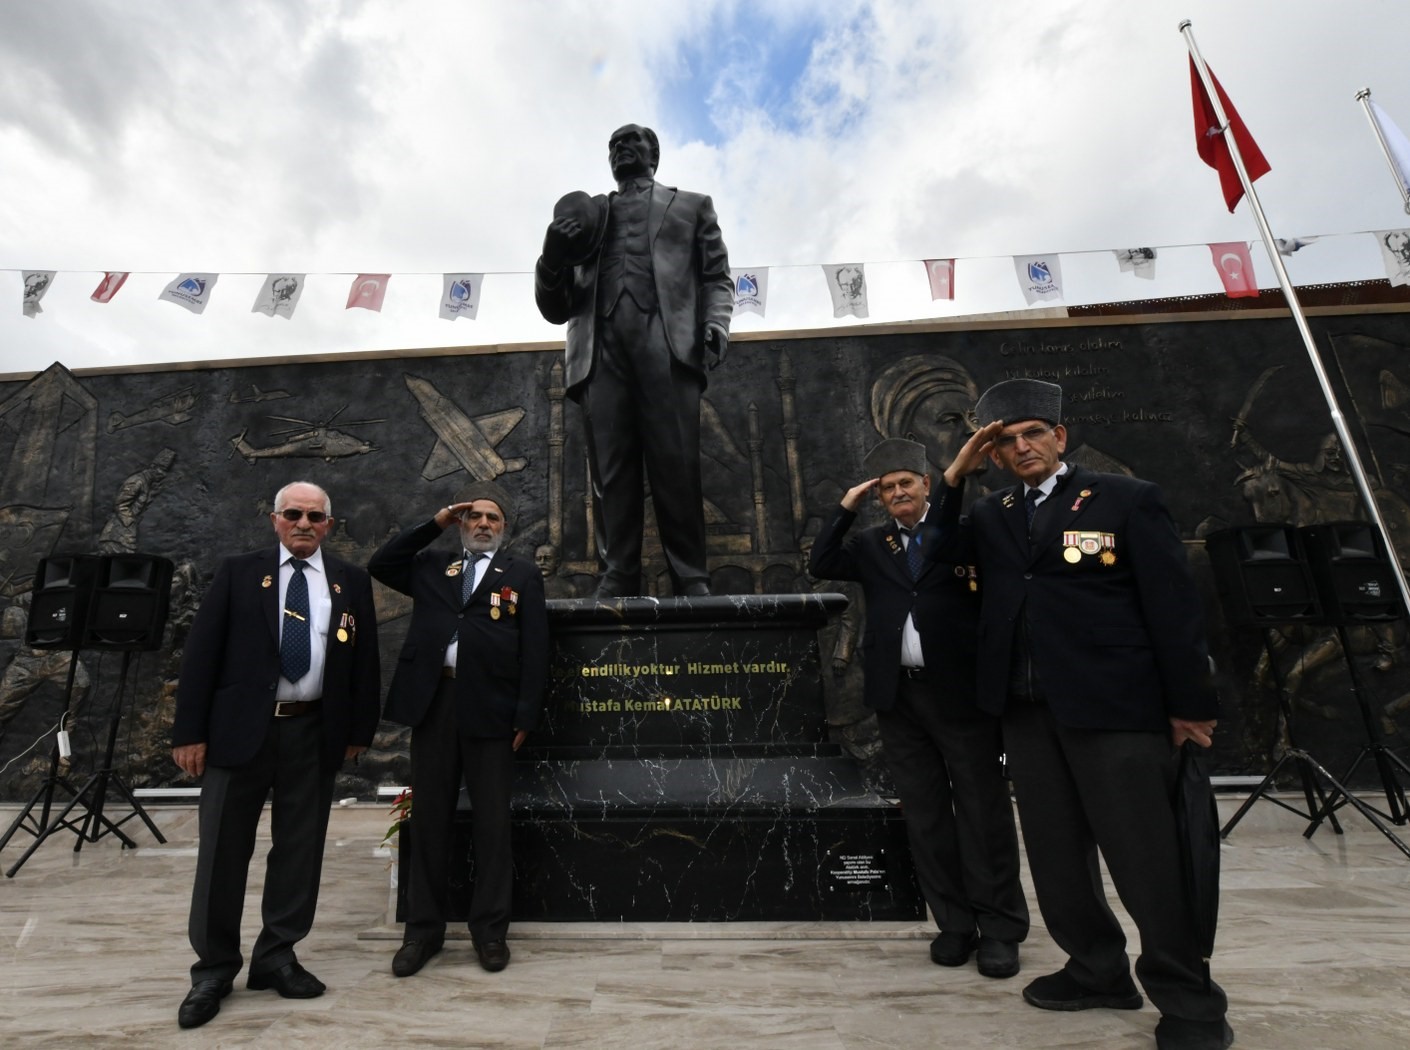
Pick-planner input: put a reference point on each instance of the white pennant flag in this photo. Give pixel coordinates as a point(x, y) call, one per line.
point(1396, 144)
point(1290, 245)
point(751, 290)
point(460, 295)
point(1139, 261)
point(1395, 250)
point(1040, 276)
point(279, 295)
point(191, 290)
point(847, 283)
point(36, 283)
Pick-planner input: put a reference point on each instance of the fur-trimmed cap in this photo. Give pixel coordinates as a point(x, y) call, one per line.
point(1015, 400)
point(490, 491)
point(895, 454)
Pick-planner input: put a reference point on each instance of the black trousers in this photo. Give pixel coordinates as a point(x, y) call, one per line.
point(440, 756)
point(1081, 791)
point(289, 763)
point(643, 413)
point(959, 819)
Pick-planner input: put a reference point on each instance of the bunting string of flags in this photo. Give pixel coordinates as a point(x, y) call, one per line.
point(1039, 277)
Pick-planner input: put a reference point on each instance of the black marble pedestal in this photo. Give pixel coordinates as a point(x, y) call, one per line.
point(682, 774)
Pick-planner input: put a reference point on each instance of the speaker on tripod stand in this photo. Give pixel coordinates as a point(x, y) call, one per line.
point(112, 603)
point(1357, 587)
point(1263, 580)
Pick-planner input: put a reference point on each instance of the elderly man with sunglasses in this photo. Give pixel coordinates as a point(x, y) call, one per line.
point(279, 685)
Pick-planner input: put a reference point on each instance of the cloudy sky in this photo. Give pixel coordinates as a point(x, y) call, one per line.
point(334, 137)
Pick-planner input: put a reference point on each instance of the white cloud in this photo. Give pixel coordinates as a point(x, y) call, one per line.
point(331, 138)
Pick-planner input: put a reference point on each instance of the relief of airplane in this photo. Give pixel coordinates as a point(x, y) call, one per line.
point(258, 395)
point(171, 408)
point(309, 440)
point(463, 443)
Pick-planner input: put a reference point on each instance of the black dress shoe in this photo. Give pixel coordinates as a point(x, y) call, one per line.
point(413, 955)
point(1179, 1033)
point(202, 1002)
point(952, 949)
point(1061, 991)
point(494, 955)
point(291, 981)
point(997, 958)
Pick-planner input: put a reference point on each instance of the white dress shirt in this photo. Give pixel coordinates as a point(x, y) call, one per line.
point(320, 608)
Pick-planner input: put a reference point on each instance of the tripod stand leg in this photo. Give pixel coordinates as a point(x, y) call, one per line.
point(96, 825)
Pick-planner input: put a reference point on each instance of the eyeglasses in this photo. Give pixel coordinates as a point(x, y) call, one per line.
point(315, 517)
point(1031, 436)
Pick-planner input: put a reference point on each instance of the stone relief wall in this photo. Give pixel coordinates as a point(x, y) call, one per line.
point(1224, 414)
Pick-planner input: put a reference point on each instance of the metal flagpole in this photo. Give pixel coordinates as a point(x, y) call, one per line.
point(1270, 245)
point(1364, 97)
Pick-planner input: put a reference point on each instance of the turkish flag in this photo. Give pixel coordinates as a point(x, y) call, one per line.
point(941, 274)
point(367, 291)
point(108, 287)
point(1212, 145)
point(1235, 266)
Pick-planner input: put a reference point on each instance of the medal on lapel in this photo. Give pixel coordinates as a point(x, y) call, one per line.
point(268, 581)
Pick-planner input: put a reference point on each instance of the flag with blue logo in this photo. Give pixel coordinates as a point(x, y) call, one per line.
point(191, 290)
point(1040, 276)
point(751, 290)
point(279, 295)
point(460, 295)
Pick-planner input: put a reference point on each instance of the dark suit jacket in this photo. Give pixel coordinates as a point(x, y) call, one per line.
point(502, 665)
point(943, 606)
point(1117, 643)
point(230, 665)
point(691, 269)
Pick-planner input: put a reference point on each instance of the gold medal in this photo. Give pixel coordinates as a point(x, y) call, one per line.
point(453, 569)
point(1107, 558)
point(1071, 555)
point(268, 581)
point(342, 635)
point(494, 612)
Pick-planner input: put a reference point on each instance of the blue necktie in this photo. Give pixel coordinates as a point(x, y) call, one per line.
point(467, 582)
point(1030, 505)
point(913, 552)
point(295, 649)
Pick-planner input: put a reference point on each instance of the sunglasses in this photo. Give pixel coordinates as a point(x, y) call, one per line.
point(315, 517)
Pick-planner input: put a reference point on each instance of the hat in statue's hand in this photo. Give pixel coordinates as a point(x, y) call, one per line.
point(591, 215)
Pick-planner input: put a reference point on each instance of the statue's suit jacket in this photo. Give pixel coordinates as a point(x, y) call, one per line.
point(230, 664)
point(691, 268)
point(1117, 635)
point(502, 661)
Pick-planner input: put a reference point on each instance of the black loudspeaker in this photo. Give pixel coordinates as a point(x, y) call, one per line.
point(1262, 575)
point(1353, 576)
point(58, 608)
point(131, 598)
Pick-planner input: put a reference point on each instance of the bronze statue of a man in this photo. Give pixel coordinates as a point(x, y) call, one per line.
point(641, 277)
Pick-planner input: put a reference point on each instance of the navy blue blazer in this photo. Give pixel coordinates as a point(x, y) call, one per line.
point(230, 664)
point(943, 603)
point(502, 661)
point(1115, 621)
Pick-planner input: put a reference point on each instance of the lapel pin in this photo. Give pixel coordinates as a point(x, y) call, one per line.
point(268, 581)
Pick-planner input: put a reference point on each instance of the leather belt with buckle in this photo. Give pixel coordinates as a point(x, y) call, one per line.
point(291, 708)
point(913, 672)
